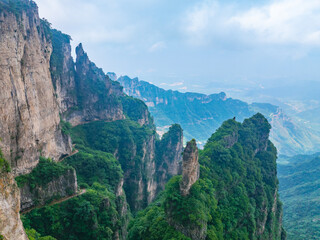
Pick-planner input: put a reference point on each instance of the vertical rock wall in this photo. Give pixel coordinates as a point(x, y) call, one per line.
point(29, 113)
point(190, 167)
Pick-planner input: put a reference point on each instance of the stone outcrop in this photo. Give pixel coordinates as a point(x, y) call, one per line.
point(122, 209)
point(169, 155)
point(29, 113)
point(97, 95)
point(10, 223)
point(190, 167)
point(63, 186)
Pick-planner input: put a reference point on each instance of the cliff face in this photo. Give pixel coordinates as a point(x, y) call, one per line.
point(62, 69)
point(139, 177)
point(97, 96)
point(190, 167)
point(10, 223)
point(60, 187)
point(28, 124)
point(169, 155)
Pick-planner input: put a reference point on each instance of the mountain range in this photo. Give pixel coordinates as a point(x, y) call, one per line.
point(200, 115)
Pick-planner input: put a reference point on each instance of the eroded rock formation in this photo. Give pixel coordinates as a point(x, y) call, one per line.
point(190, 167)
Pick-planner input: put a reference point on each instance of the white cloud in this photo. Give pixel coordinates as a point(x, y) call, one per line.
point(175, 84)
point(157, 46)
point(199, 21)
point(94, 22)
point(286, 21)
point(278, 22)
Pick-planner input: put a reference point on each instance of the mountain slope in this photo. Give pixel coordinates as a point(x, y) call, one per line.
point(300, 192)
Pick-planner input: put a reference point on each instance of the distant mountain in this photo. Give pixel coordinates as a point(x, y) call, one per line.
point(200, 115)
point(300, 194)
point(288, 134)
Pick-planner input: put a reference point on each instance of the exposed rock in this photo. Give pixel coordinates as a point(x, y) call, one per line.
point(140, 182)
point(62, 70)
point(98, 96)
point(112, 76)
point(190, 167)
point(231, 139)
point(169, 155)
point(29, 113)
point(122, 209)
point(10, 223)
point(63, 186)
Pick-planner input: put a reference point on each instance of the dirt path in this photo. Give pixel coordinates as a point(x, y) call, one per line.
point(73, 153)
point(82, 191)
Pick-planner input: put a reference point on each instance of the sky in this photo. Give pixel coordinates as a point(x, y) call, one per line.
point(197, 45)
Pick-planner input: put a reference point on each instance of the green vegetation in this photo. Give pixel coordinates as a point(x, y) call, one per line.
point(34, 235)
point(135, 109)
point(166, 152)
point(65, 127)
point(4, 165)
point(95, 214)
point(92, 215)
point(300, 193)
point(235, 194)
point(125, 138)
point(194, 209)
point(151, 224)
point(16, 6)
point(172, 136)
point(95, 166)
point(46, 171)
point(199, 115)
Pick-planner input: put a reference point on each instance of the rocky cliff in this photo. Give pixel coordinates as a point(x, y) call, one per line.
point(29, 125)
point(97, 95)
point(190, 167)
point(62, 69)
point(169, 155)
point(10, 224)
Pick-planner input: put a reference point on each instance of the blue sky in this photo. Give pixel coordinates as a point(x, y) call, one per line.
point(190, 45)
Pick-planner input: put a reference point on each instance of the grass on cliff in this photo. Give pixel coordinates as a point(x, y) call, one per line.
point(46, 171)
point(92, 215)
point(125, 139)
point(4, 165)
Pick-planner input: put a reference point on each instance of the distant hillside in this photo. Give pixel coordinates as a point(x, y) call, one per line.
point(300, 194)
point(288, 134)
point(200, 115)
